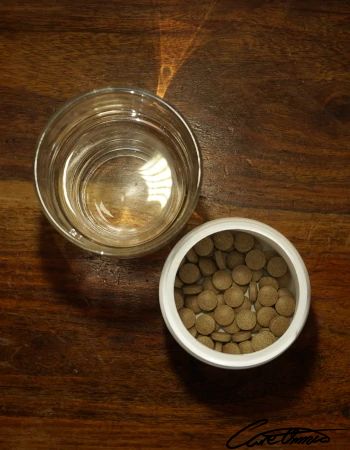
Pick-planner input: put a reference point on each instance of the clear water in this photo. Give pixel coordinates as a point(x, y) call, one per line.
point(121, 182)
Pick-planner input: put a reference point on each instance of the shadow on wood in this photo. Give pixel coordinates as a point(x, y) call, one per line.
point(271, 387)
point(107, 286)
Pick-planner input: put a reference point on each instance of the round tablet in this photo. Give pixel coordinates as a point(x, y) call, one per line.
point(205, 324)
point(245, 306)
point(220, 336)
point(224, 315)
point(206, 340)
point(232, 328)
point(233, 297)
point(244, 242)
point(207, 266)
point(285, 305)
point(207, 300)
point(284, 280)
point(223, 240)
point(178, 283)
point(257, 305)
point(208, 285)
point(192, 289)
point(220, 298)
point(211, 314)
point(256, 328)
point(241, 275)
point(268, 281)
point(241, 336)
point(204, 247)
point(220, 259)
point(222, 280)
point(253, 291)
point(218, 346)
point(242, 288)
point(246, 347)
point(257, 274)
point(187, 316)
point(191, 302)
point(255, 259)
point(234, 259)
point(269, 254)
point(265, 314)
point(284, 291)
point(277, 267)
point(189, 273)
point(192, 256)
point(279, 325)
point(262, 340)
point(246, 319)
point(179, 299)
point(267, 296)
point(193, 331)
point(231, 348)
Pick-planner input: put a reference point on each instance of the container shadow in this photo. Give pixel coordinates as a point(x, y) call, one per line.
point(105, 287)
point(270, 388)
point(87, 280)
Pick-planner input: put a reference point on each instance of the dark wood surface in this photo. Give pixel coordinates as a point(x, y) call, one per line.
point(85, 359)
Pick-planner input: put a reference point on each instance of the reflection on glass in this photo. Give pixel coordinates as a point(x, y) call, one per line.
point(102, 210)
point(157, 176)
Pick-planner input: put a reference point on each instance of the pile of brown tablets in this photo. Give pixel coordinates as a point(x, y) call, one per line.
point(232, 293)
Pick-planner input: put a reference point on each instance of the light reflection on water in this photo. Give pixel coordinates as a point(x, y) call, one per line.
point(157, 176)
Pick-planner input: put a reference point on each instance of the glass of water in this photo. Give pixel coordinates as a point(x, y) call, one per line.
point(118, 172)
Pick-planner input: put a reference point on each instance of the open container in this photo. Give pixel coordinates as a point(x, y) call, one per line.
point(300, 286)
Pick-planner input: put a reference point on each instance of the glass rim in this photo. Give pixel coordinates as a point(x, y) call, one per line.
point(169, 233)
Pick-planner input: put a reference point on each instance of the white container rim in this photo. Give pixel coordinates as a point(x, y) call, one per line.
point(279, 243)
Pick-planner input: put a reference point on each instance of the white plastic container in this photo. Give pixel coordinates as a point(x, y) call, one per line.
point(300, 286)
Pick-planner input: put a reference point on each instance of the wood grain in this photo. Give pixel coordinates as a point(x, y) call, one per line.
point(85, 359)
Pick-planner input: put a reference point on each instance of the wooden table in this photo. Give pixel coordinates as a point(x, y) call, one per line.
point(85, 359)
